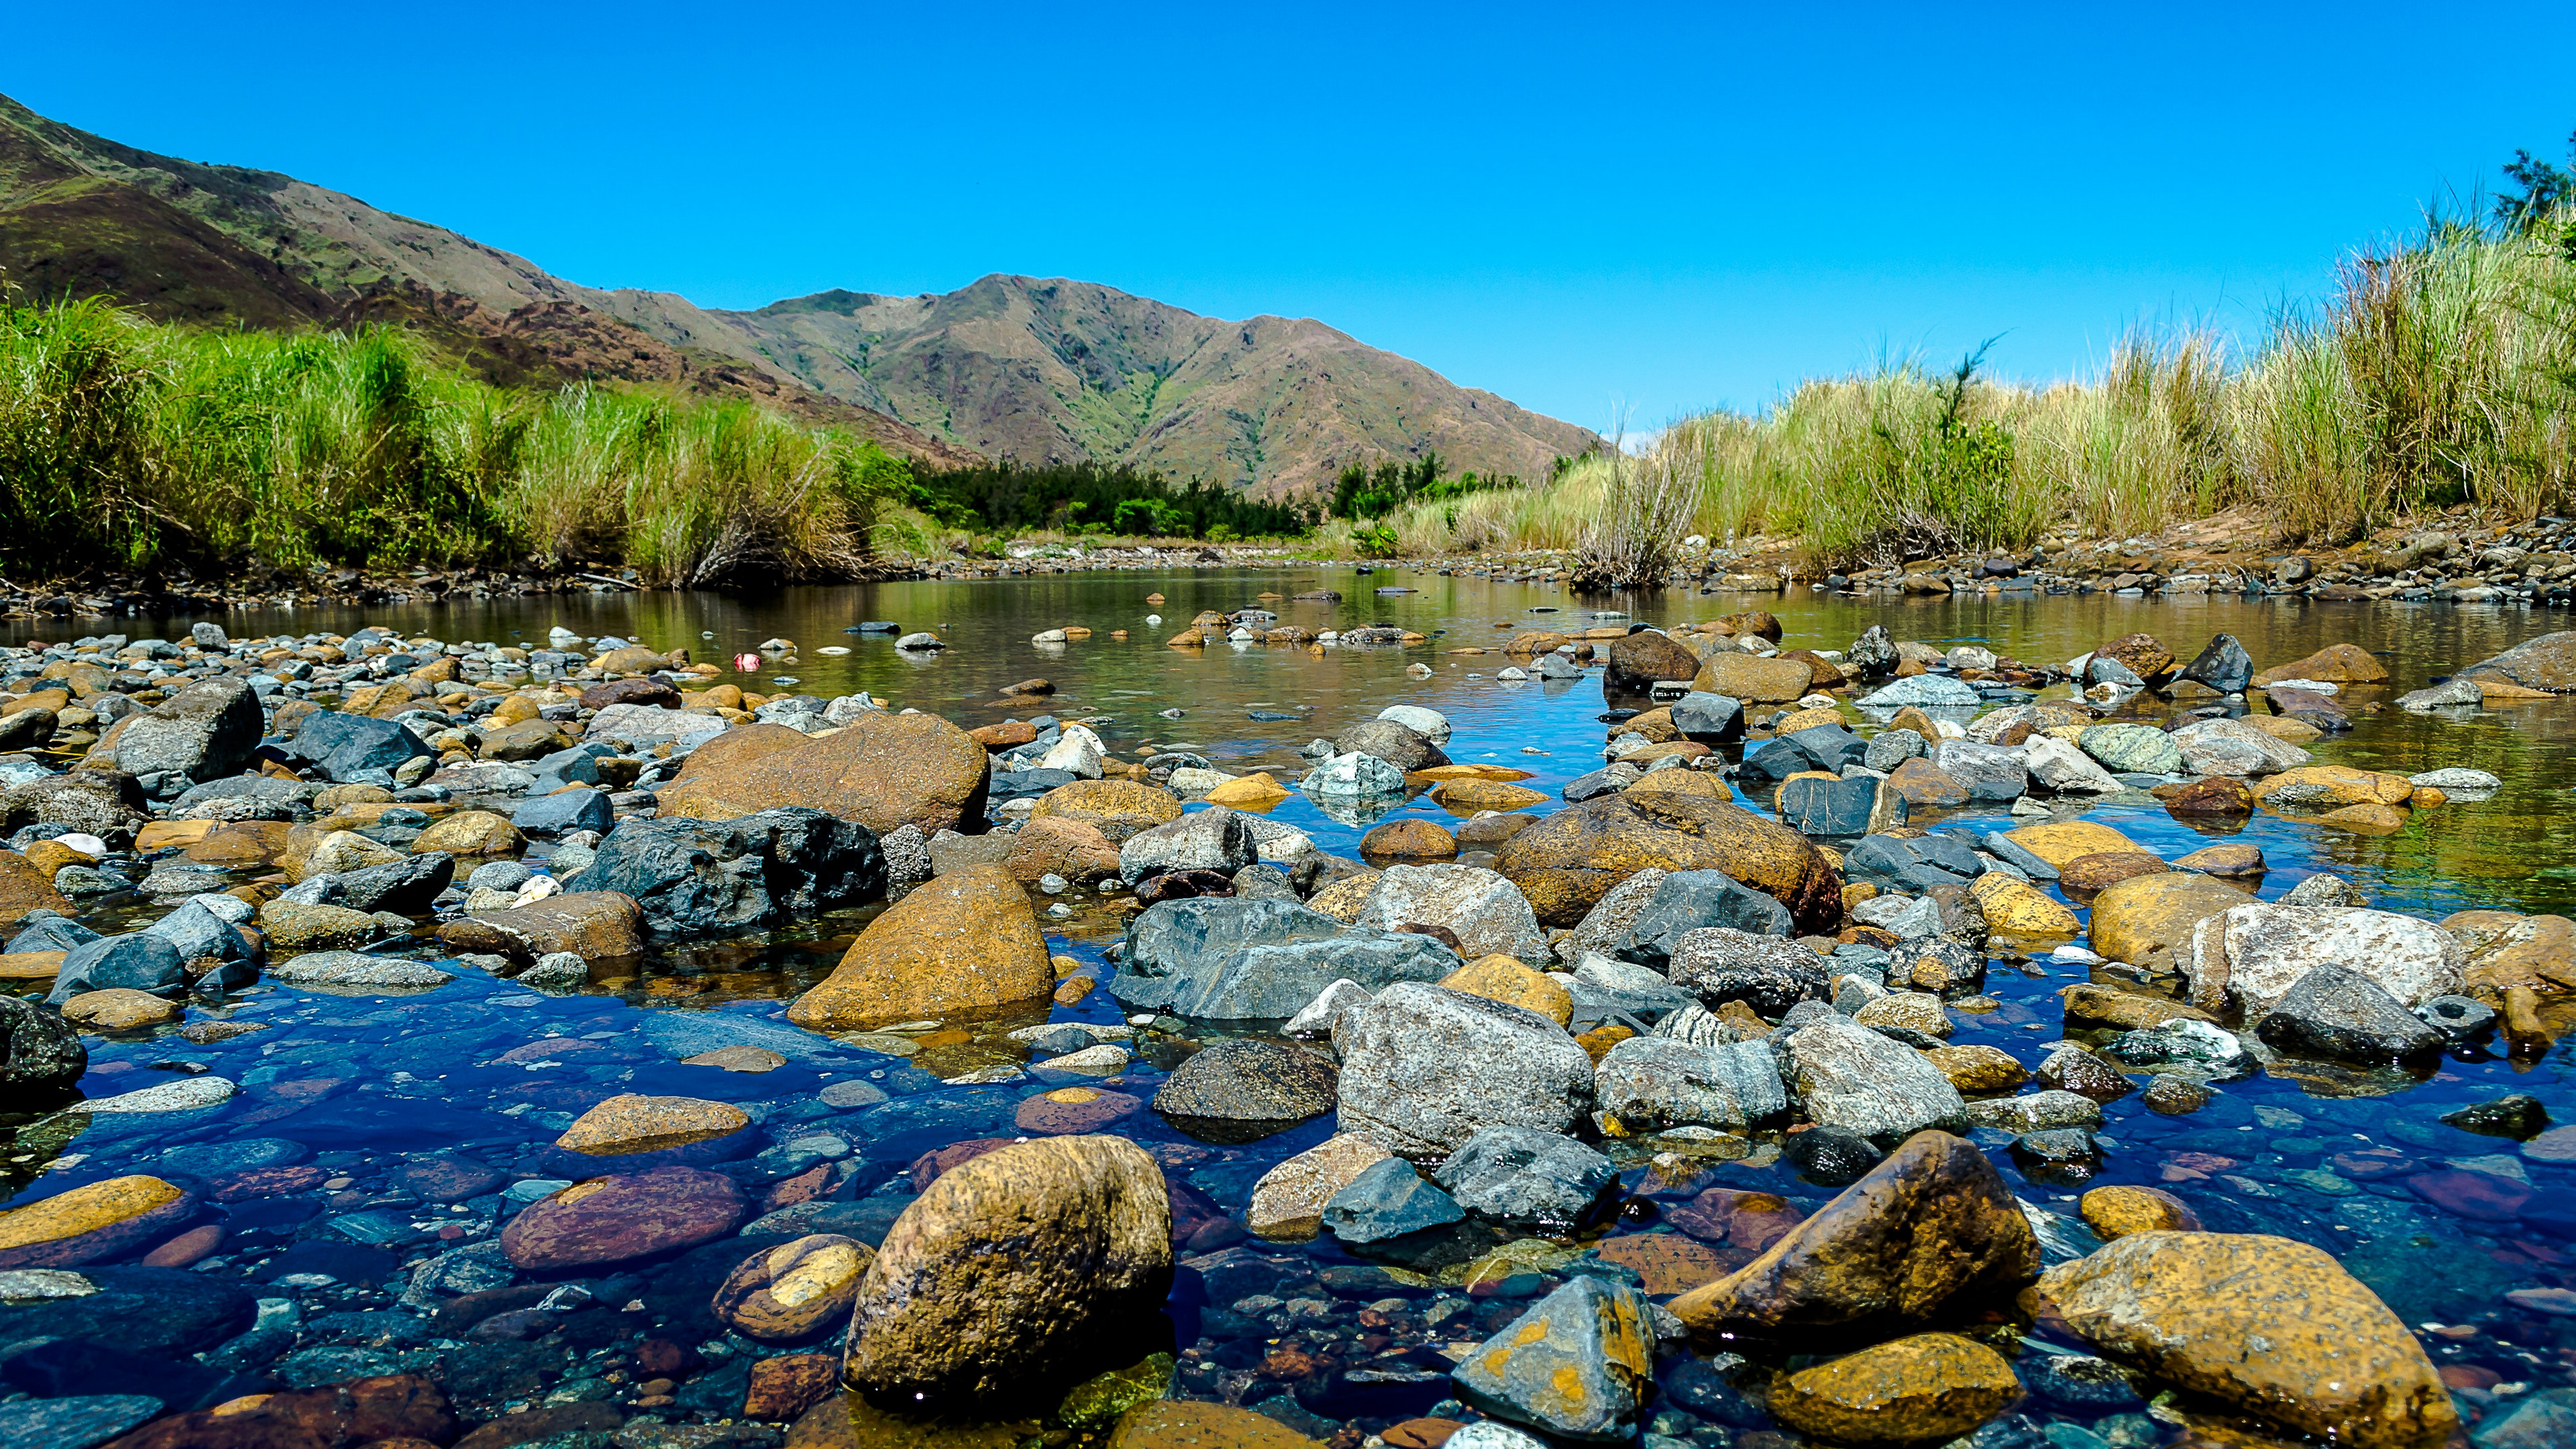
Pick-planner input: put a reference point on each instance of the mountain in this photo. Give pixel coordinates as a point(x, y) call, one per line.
point(1029, 369)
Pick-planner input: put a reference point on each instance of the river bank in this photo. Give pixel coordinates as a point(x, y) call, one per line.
point(537, 1008)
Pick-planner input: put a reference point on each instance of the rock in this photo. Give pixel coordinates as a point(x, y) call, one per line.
point(1464, 796)
point(407, 887)
point(1248, 1081)
point(965, 941)
point(2458, 782)
point(79, 1421)
point(1389, 741)
point(471, 832)
point(96, 1220)
point(1986, 772)
point(1408, 837)
point(1752, 679)
point(1645, 658)
point(2013, 908)
point(794, 1290)
point(1842, 808)
point(2328, 787)
point(2269, 1326)
point(2452, 694)
point(1017, 1265)
point(1933, 1222)
point(1388, 1199)
point(607, 1220)
point(1978, 1068)
point(629, 1123)
point(2066, 769)
point(1505, 979)
point(1354, 777)
point(118, 1009)
point(1431, 724)
point(353, 748)
point(2148, 920)
point(1288, 1202)
point(2342, 1014)
point(1850, 1077)
point(1768, 973)
point(395, 1411)
point(25, 888)
point(1923, 1389)
point(1580, 1365)
point(1424, 1069)
point(2517, 1115)
point(883, 770)
point(1526, 1177)
point(1675, 904)
point(710, 877)
point(204, 731)
point(292, 928)
point(2334, 664)
point(1215, 839)
point(1181, 1424)
point(1118, 809)
point(1650, 1084)
point(2248, 957)
point(2236, 749)
point(1479, 907)
point(2118, 1212)
point(343, 852)
point(2037, 1111)
point(2133, 749)
point(138, 961)
point(1237, 960)
point(594, 925)
point(2222, 665)
point(1708, 719)
point(563, 812)
point(40, 1054)
point(1923, 691)
point(2075, 1070)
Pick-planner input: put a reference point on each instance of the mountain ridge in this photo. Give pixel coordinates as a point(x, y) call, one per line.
point(1033, 369)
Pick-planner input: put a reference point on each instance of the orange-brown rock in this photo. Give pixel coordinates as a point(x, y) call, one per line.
point(594, 925)
point(2143, 920)
point(2329, 787)
point(1053, 845)
point(1752, 679)
point(784, 1293)
point(740, 748)
point(2334, 664)
point(1706, 784)
point(883, 770)
point(2209, 795)
point(1408, 837)
point(1465, 796)
point(2063, 840)
point(2234, 858)
point(243, 844)
point(1924, 1389)
point(1566, 862)
point(2088, 874)
point(2144, 654)
point(2100, 1005)
point(967, 941)
point(2507, 949)
point(1118, 809)
point(2118, 1212)
point(25, 888)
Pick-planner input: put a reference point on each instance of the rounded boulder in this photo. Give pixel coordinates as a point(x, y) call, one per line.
point(1567, 862)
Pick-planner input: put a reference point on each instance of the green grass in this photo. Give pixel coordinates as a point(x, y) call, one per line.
point(131, 445)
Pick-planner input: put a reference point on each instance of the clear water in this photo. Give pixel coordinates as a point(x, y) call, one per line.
point(373, 1085)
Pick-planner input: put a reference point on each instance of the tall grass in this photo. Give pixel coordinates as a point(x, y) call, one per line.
point(2439, 371)
point(141, 446)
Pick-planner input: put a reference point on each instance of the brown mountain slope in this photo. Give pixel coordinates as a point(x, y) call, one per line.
point(1039, 370)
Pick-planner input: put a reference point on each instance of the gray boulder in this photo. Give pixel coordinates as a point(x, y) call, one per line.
point(353, 748)
point(2234, 748)
point(707, 877)
point(1891, 748)
point(406, 887)
point(1602, 986)
point(2223, 665)
point(1251, 1082)
point(1389, 1199)
point(2333, 1012)
point(1431, 724)
point(40, 1053)
point(1652, 1083)
point(1397, 744)
point(1708, 719)
point(1768, 973)
point(1987, 772)
point(564, 812)
point(135, 960)
point(1232, 959)
point(1487, 913)
point(1691, 900)
point(50, 932)
point(1353, 776)
point(1924, 691)
point(2036, 1111)
point(1850, 1077)
point(1214, 839)
point(2450, 694)
point(204, 731)
point(2248, 957)
point(104, 803)
point(1526, 1177)
point(1579, 1365)
point(1424, 1069)
point(1607, 924)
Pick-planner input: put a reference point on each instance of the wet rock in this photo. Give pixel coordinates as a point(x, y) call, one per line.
point(356, 971)
point(1841, 808)
point(1643, 659)
point(2117, 1212)
point(1402, 747)
point(1580, 1365)
point(2517, 1115)
point(594, 925)
point(1650, 1084)
point(2013, 908)
point(349, 748)
point(471, 832)
point(2249, 956)
point(1527, 1177)
point(2042, 1111)
point(292, 927)
point(562, 812)
point(383, 1409)
point(1424, 1069)
point(406, 887)
point(1850, 1077)
point(2148, 920)
point(2270, 1326)
point(965, 941)
point(2222, 664)
point(1018, 1265)
point(794, 1290)
point(1215, 839)
point(1385, 1200)
point(93, 1221)
point(1288, 1202)
point(2342, 1014)
point(2074, 1070)
point(1408, 837)
point(1752, 679)
point(205, 730)
point(2451, 694)
point(1923, 691)
point(77, 1422)
point(630, 1124)
point(138, 961)
point(1251, 1082)
point(883, 770)
point(1768, 973)
point(2327, 787)
point(1708, 719)
point(1568, 861)
point(616, 1219)
point(1932, 1223)
point(701, 877)
point(1234, 960)
point(2066, 769)
point(1930, 1387)
point(1118, 809)
point(1979, 1068)
point(2235, 749)
point(1986, 772)
point(1353, 777)
point(40, 1054)
point(1482, 909)
point(2175, 1096)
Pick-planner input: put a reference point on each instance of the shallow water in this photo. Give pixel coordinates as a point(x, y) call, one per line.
point(371, 1087)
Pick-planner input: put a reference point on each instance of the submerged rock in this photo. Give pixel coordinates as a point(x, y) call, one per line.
point(1527, 1177)
point(1424, 1069)
point(1923, 1389)
point(967, 940)
point(1568, 861)
point(1579, 1365)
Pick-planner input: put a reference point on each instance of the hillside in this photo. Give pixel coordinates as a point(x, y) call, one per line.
point(1035, 370)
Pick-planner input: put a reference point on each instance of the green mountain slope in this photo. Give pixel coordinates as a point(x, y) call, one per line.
point(1037, 370)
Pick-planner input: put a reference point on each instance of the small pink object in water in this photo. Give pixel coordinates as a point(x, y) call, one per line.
point(747, 663)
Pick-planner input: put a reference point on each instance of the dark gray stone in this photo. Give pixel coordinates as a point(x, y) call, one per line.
point(1707, 718)
point(1767, 973)
point(564, 812)
point(79, 1422)
point(136, 960)
point(2457, 1018)
point(1891, 748)
point(1404, 748)
point(1690, 900)
point(1389, 1200)
point(2334, 1012)
point(1834, 809)
point(1263, 982)
point(1597, 783)
point(1524, 1176)
point(353, 748)
point(205, 731)
point(406, 887)
point(2223, 665)
point(1243, 1080)
point(40, 1053)
point(706, 877)
point(1987, 772)
point(1873, 652)
point(50, 933)
point(2013, 853)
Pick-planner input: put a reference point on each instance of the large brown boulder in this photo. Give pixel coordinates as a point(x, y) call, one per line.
point(1567, 862)
point(967, 941)
point(883, 770)
point(1050, 845)
point(1920, 1390)
point(1118, 809)
point(2271, 1326)
point(1640, 660)
point(617, 1219)
point(24, 888)
point(594, 925)
point(2546, 663)
point(1931, 1223)
point(1016, 1265)
point(2334, 664)
point(1752, 679)
point(393, 1409)
point(2146, 920)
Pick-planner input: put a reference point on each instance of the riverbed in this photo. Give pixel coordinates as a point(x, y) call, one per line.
point(395, 1128)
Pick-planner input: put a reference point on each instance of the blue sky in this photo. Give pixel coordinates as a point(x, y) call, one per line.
point(1579, 208)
